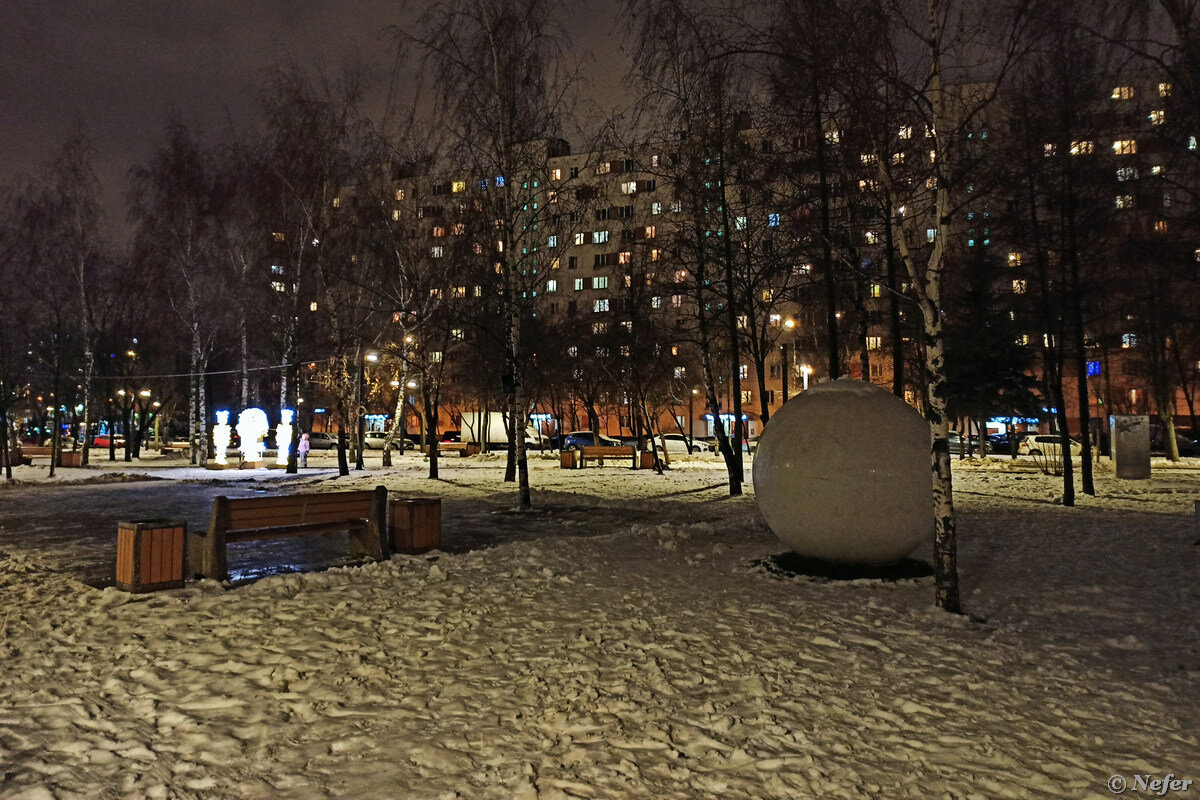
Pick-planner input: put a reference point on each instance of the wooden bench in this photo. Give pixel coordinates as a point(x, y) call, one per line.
point(66, 457)
point(463, 449)
point(598, 453)
point(362, 514)
point(17, 458)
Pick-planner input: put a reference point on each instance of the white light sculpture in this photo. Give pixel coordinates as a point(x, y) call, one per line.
point(252, 427)
point(221, 433)
point(283, 438)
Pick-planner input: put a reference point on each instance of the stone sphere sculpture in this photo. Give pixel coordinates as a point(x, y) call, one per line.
point(843, 473)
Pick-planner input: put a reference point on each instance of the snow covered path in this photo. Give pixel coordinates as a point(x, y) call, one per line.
point(625, 646)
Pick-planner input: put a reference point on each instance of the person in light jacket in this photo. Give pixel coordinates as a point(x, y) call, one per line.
point(302, 449)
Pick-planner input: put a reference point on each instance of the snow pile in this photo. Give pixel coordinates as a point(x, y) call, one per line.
point(625, 646)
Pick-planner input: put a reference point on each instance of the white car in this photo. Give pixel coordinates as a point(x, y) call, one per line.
point(678, 444)
point(1049, 445)
point(376, 440)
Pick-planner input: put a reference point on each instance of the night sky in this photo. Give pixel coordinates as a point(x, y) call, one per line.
point(120, 67)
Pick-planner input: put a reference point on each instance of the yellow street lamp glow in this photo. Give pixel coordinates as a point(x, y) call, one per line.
point(789, 323)
point(144, 393)
point(121, 392)
point(395, 384)
point(412, 384)
point(372, 357)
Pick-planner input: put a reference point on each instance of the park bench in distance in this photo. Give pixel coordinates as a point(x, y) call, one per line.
point(598, 453)
point(363, 514)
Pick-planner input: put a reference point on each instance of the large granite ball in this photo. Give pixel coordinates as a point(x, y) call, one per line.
point(843, 473)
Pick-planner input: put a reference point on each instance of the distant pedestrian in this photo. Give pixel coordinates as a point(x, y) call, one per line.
point(302, 449)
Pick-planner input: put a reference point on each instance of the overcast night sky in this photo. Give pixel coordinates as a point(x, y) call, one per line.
point(120, 67)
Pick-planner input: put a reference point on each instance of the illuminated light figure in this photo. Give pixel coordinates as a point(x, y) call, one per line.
point(283, 438)
point(252, 427)
point(221, 434)
point(842, 473)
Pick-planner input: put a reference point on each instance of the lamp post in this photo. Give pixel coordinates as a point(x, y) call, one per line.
point(788, 324)
point(805, 371)
point(692, 419)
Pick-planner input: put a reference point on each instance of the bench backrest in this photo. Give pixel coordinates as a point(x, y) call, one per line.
point(297, 509)
point(608, 450)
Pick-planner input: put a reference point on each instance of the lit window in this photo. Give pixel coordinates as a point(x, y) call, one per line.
point(868, 158)
point(650, 231)
point(1164, 90)
point(578, 284)
point(628, 187)
point(656, 302)
point(1128, 340)
point(897, 158)
point(600, 305)
point(556, 174)
point(871, 236)
point(773, 220)
point(1082, 147)
point(876, 290)
point(656, 208)
point(552, 241)
point(1014, 259)
point(744, 371)
point(395, 215)
point(436, 252)
point(874, 342)
point(458, 291)
point(1019, 287)
point(680, 373)
point(458, 333)
point(676, 300)
point(438, 231)
point(1160, 226)
point(1156, 169)
point(1158, 116)
point(551, 286)
point(624, 257)
point(833, 137)
point(1127, 173)
point(775, 320)
point(654, 254)
point(1125, 147)
point(580, 238)
point(739, 223)
point(603, 169)
point(1124, 201)
point(930, 234)
point(435, 293)
point(1049, 150)
point(459, 229)
point(906, 131)
point(599, 237)
point(1122, 93)
point(312, 306)
point(677, 205)
point(600, 282)
point(458, 186)
point(499, 180)
point(680, 275)
point(399, 194)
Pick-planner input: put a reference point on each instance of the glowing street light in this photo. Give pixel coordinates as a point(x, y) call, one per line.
point(805, 371)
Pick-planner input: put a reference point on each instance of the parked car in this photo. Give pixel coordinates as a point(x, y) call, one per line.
point(103, 440)
point(1050, 445)
point(577, 440)
point(677, 443)
point(321, 441)
point(375, 440)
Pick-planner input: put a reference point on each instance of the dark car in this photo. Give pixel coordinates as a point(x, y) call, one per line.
point(577, 440)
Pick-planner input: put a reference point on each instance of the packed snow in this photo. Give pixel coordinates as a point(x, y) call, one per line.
point(620, 641)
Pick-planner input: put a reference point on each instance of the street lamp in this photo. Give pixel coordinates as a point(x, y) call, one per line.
point(805, 371)
point(692, 419)
point(360, 428)
point(790, 325)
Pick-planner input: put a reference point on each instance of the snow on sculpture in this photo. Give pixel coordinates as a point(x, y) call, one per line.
point(252, 427)
point(283, 437)
point(842, 473)
point(221, 434)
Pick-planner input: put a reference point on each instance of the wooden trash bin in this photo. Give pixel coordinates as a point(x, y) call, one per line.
point(647, 461)
point(416, 525)
point(150, 554)
point(70, 458)
point(569, 459)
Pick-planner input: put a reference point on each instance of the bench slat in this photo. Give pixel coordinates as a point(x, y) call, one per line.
point(282, 531)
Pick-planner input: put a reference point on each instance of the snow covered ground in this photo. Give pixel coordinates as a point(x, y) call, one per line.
point(621, 642)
